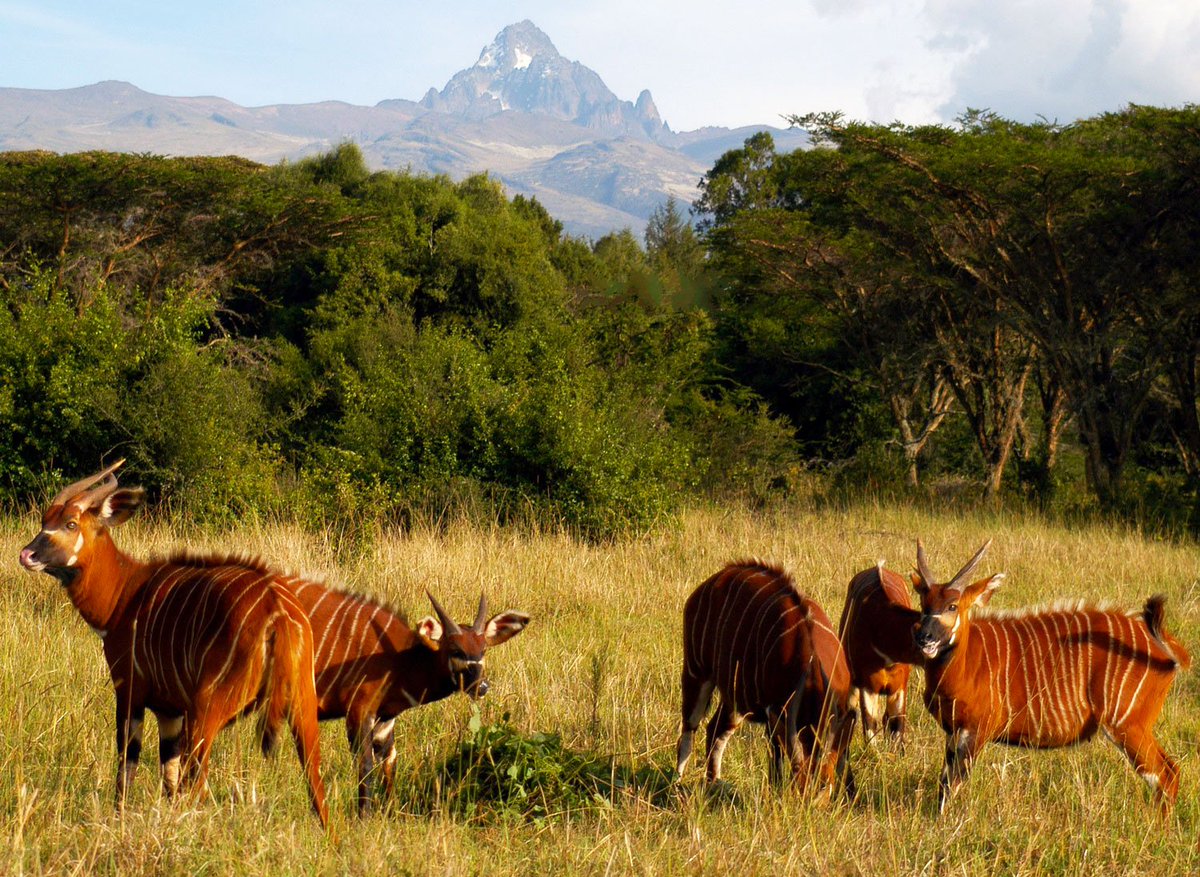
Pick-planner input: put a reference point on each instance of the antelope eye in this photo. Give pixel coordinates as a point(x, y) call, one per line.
point(71, 525)
point(953, 607)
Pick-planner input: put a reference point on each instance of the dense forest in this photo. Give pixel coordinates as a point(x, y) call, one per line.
point(990, 310)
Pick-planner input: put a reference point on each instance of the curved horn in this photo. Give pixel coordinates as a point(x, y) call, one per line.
point(923, 565)
point(449, 625)
point(481, 615)
point(71, 491)
point(970, 565)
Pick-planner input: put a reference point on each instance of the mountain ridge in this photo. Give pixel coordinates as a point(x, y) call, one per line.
point(543, 125)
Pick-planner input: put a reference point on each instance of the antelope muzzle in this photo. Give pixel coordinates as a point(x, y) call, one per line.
point(468, 676)
point(931, 636)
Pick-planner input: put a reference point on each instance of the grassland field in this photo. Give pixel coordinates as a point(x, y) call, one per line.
point(599, 665)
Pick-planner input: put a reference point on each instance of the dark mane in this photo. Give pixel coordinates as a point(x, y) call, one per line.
point(368, 599)
point(759, 565)
point(197, 560)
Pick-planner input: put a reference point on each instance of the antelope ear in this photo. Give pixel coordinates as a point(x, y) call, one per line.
point(980, 592)
point(430, 631)
point(503, 627)
point(919, 584)
point(119, 505)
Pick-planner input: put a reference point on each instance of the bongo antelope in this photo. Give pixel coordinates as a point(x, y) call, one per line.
point(198, 641)
point(773, 656)
point(1044, 677)
point(876, 633)
point(371, 666)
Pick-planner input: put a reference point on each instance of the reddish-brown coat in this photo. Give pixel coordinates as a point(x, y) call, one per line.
point(371, 666)
point(197, 640)
point(876, 632)
point(773, 656)
point(1045, 677)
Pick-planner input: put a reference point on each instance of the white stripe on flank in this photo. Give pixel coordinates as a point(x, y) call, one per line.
point(342, 607)
point(220, 582)
point(719, 629)
point(732, 659)
point(769, 610)
point(1054, 674)
point(983, 634)
point(1006, 661)
point(244, 618)
point(362, 645)
point(244, 581)
point(1133, 698)
point(1118, 699)
point(701, 628)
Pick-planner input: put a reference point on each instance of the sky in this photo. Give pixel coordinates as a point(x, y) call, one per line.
point(706, 62)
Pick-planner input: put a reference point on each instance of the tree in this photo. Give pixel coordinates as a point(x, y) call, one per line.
point(675, 255)
point(1052, 229)
point(741, 179)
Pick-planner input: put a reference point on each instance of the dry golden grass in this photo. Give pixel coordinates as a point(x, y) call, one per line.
point(599, 664)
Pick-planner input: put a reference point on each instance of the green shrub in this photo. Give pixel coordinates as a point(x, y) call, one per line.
point(85, 381)
point(498, 772)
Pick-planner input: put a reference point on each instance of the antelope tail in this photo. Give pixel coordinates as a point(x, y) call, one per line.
point(277, 689)
point(1154, 614)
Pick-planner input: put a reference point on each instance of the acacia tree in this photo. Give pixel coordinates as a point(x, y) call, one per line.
point(1062, 231)
point(1171, 140)
point(840, 288)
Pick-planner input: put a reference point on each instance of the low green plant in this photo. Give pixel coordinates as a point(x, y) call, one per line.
point(498, 772)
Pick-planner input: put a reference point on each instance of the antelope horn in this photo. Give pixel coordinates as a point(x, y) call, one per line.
point(71, 491)
point(971, 564)
point(481, 615)
point(923, 565)
point(449, 625)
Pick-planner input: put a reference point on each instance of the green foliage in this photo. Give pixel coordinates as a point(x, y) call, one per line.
point(377, 342)
point(676, 258)
point(344, 168)
point(947, 270)
point(417, 413)
point(117, 377)
point(498, 772)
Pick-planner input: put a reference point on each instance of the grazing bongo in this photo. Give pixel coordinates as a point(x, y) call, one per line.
point(773, 656)
point(371, 666)
point(876, 633)
point(197, 640)
point(1044, 677)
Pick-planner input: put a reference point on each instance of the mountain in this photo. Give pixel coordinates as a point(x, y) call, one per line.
point(543, 125)
point(521, 70)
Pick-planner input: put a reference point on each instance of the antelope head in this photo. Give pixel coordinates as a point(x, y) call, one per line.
point(77, 517)
point(460, 650)
point(944, 607)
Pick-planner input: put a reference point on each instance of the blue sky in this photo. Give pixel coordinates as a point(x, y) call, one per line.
point(913, 60)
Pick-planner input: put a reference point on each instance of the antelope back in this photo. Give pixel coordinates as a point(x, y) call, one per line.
point(750, 630)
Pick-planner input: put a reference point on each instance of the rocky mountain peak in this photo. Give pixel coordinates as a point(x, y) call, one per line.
point(516, 47)
point(521, 70)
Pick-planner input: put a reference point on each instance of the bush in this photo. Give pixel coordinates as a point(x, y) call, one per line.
point(500, 772)
point(109, 377)
point(416, 415)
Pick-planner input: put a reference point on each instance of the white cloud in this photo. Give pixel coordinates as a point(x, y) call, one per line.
point(1068, 59)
